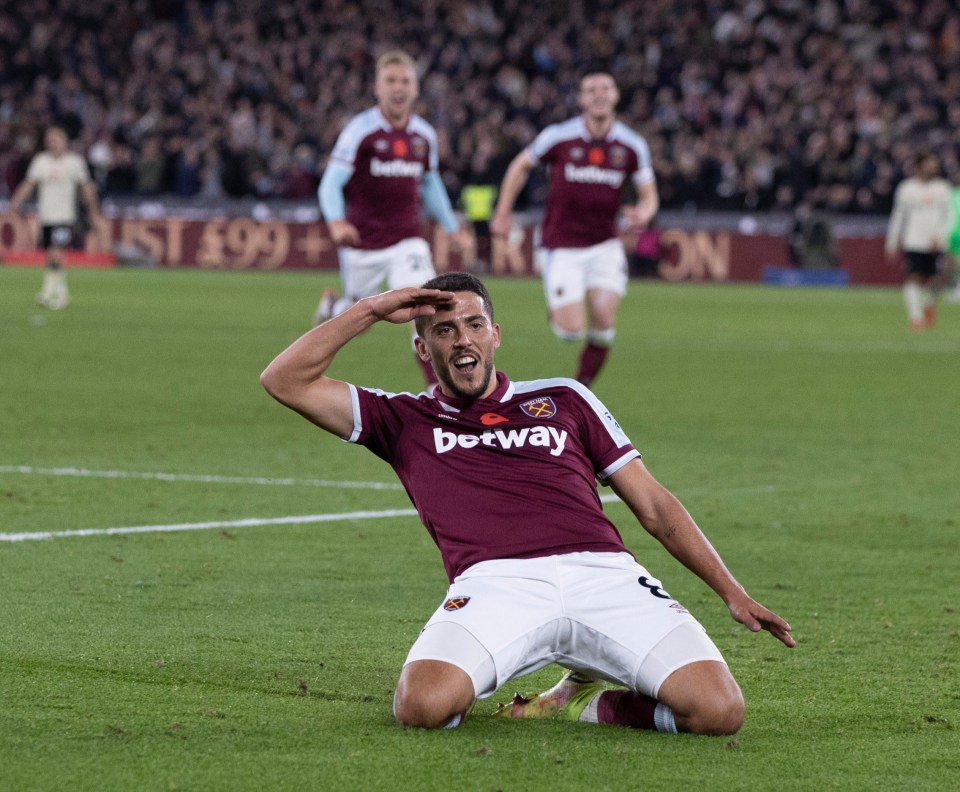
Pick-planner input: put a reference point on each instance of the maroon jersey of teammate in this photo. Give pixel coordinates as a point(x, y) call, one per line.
point(519, 467)
point(388, 165)
point(586, 180)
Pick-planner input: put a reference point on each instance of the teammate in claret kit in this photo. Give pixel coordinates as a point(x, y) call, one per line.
point(581, 258)
point(503, 475)
point(383, 167)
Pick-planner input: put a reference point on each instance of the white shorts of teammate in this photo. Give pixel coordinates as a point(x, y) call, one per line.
point(601, 613)
point(568, 273)
point(407, 263)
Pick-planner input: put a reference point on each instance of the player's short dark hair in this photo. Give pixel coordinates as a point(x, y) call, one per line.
point(592, 67)
point(456, 282)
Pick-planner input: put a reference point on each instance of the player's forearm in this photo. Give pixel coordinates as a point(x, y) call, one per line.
point(665, 518)
point(892, 241)
point(89, 194)
point(671, 524)
point(513, 182)
point(305, 361)
point(648, 203)
point(333, 205)
point(20, 195)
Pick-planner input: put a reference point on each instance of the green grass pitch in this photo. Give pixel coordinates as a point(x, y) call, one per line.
point(815, 440)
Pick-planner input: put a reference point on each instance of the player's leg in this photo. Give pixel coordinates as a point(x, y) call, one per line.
point(361, 273)
point(564, 291)
point(412, 265)
point(54, 293)
point(499, 621)
point(698, 695)
point(602, 308)
point(930, 287)
point(672, 677)
point(703, 698)
point(605, 275)
point(913, 300)
point(918, 289)
point(432, 694)
point(445, 670)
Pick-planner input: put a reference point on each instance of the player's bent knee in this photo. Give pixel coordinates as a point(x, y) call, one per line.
point(418, 711)
point(422, 709)
point(721, 713)
point(565, 334)
point(429, 695)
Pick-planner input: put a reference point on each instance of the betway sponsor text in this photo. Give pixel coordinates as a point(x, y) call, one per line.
point(542, 436)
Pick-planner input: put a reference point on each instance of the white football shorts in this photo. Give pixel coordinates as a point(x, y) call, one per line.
point(407, 263)
point(602, 613)
point(568, 273)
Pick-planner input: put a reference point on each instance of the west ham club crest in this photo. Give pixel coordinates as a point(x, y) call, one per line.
point(541, 407)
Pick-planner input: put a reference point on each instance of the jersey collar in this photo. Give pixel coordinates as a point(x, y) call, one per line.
point(503, 392)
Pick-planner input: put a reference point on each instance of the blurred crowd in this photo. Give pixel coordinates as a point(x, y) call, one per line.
point(747, 105)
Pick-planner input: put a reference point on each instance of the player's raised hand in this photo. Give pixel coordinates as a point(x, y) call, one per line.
point(402, 305)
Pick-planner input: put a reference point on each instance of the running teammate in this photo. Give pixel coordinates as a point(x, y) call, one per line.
point(383, 167)
point(582, 259)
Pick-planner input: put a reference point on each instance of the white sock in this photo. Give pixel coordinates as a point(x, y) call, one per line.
point(589, 714)
point(913, 298)
point(663, 718)
point(455, 721)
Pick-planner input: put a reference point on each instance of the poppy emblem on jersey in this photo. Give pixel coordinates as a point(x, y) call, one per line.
point(541, 407)
point(400, 148)
point(595, 157)
point(490, 419)
point(456, 603)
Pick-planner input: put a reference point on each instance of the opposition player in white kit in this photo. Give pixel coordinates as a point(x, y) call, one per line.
point(582, 260)
point(383, 167)
point(503, 475)
point(58, 175)
point(919, 226)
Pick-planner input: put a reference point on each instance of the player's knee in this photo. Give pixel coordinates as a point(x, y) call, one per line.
point(718, 714)
point(566, 334)
point(422, 709)
point(602, 336)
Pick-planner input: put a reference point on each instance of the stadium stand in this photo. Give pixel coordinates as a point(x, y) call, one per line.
point(749, 106)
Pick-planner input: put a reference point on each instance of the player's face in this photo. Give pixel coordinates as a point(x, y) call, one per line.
point(396, 90)
point(598, 95)
point(460, 342)
point(55, 141)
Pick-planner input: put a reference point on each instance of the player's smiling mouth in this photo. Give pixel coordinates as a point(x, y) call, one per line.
point(465, 363)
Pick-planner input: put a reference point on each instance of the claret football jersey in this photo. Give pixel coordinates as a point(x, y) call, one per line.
point(586, 180)
point(510, 476)
point(388, 163)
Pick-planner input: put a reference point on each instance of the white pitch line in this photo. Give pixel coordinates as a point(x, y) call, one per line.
point(203, 478)
point(203, 526)
point(199, 478)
